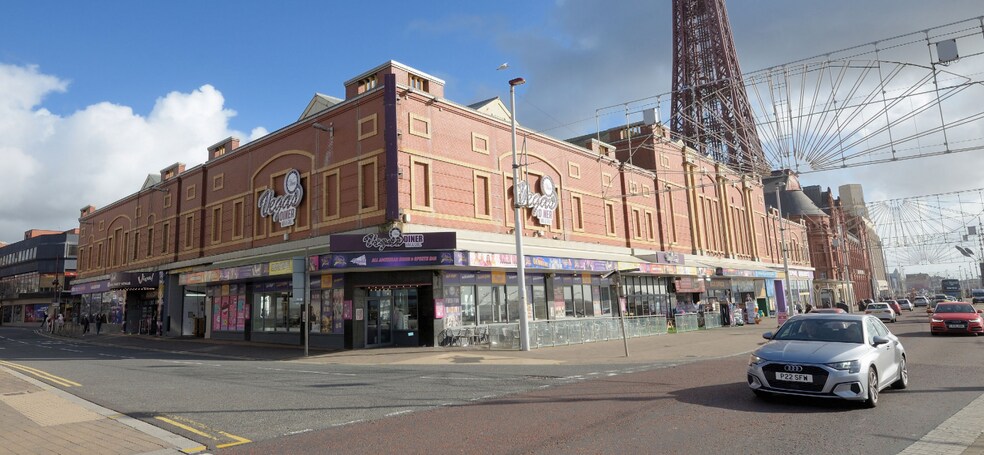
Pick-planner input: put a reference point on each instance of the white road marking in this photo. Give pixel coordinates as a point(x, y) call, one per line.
point(954, 435)
point(347, 423)
point(458, 379)
point(405, 411)
point(325, 373)
point(291, 433)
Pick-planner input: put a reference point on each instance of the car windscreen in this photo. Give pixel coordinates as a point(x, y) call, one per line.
point(878, 306)
point(955, 309)
point(816, 329)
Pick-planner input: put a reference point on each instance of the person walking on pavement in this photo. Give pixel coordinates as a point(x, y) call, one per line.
point(85, 324)
point(99, 322)
point(44, 318)
point(60, 322)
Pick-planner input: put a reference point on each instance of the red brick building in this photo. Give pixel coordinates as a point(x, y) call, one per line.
point(389, 215)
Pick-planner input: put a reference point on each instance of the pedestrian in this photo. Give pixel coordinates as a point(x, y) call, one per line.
point(85, 324)
point(60, 322)
point(100, 318)
point(44, 318)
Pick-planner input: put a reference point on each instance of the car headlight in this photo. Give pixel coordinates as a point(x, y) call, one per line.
point(977, 321)
point(755, 360)
point(851, 366)
point(937, 320)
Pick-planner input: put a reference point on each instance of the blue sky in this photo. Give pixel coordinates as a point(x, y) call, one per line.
point(96, 95)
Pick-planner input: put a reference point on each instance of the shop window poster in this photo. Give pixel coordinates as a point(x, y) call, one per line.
point(225, 313)
point(337, 305)
point(240, 313)
point(216, 316)
point(233, 314)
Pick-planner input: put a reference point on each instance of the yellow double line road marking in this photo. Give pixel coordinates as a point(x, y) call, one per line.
point(41, 374)
point(201, 431)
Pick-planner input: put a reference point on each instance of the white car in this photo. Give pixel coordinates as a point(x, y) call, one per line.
point(838, 356)
point(920, 301)
point(905, 304)
point(881, 311)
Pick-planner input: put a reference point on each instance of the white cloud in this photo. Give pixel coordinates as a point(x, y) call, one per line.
point(54, 165)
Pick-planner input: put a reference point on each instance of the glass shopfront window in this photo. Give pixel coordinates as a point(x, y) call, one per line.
point(274, 311)
point(229, 307)
point(646, 295)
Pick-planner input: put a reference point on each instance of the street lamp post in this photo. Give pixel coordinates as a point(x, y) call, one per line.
point(524, 319)
point(787, 293)
point(56, 303)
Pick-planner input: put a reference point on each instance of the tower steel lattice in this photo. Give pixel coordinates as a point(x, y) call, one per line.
point(710, 108)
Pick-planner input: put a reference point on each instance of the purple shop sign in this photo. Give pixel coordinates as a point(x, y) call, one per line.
point(90, 288)
point(394, 259)
point(394, 240)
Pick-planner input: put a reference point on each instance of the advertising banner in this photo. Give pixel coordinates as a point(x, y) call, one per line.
point(395, 240)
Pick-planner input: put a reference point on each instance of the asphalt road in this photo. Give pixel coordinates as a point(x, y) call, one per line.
point(701, 407)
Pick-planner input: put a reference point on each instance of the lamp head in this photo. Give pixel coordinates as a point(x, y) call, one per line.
point(517, 81)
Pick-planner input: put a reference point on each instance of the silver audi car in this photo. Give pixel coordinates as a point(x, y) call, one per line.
point(845, 356)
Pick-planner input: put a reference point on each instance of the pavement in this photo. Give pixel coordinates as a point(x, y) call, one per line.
point(38, 418)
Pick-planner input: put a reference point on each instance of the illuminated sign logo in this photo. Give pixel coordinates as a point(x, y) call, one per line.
point(544, 205)
point(396, 239)
point(283, 208)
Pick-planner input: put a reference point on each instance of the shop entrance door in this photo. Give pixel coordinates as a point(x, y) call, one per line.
point(379, 320)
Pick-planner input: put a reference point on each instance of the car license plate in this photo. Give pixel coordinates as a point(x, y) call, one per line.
point(957, 326)
point(794, 377)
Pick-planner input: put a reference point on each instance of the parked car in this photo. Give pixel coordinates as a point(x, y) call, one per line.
point(895, 307)
point(905, 304)
point(920, 301)
point(977, 295)
point(837, 356)
point(881, 310)
point(956, 317)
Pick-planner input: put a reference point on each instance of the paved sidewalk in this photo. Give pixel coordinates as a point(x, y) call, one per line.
point(39, 419)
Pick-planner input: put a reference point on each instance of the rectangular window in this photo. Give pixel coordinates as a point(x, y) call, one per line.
point(190, 192)
point(483, 203)
point(650, 227)
point(636, 224)
point(480, 143)
point(216, 224)
point(165, 236)
point(610, 218)
point(573, 170)
point(419, 126)
point(367, 126)
point(150, 241)
point(218, 182)
point(420, 179)
point(136, 245)
point(367, 185)
point(189, 233)
point(367, 84)
point(99, 255)
point(122, 250)
point(332, 197)
point(237, 219)
point(671, 218)
point(167, 200)
point(577, 213)
point(418, 83)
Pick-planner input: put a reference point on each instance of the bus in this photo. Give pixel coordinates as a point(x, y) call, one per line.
point(951, 288)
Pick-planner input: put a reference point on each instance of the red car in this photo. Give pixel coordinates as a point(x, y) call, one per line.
point(956, 317)
point(895, 307)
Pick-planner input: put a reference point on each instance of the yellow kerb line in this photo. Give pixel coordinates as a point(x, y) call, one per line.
point(42, 374)
point(194, 449)
point(236, 439)
point(186, 427)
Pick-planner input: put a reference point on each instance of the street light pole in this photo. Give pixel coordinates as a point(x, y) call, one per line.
point(787, 293)
point(524, 319)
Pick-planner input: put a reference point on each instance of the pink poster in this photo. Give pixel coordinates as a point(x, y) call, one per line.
point(233, 313)
point(347, 310)
point(438, 308)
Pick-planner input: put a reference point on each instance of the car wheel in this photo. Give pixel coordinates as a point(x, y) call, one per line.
point(903, 380)
point(872, 399)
